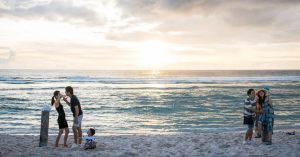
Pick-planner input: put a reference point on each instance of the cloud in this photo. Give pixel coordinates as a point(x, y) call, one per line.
point(56, 10)
point(234, 8)
point(207, 31)
point(233, 20)
point(144, 7)
point(6, 55)
point(152, 7)
point(250, 20)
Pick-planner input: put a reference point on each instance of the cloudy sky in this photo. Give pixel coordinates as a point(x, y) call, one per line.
point(149, 34)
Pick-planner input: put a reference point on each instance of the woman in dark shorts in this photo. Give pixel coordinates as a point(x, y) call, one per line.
point(62, 122)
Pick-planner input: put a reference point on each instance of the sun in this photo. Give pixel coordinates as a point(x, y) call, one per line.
point(154, 54)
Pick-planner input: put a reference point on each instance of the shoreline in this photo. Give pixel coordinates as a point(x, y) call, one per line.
point(180, 144)
point(154, 132)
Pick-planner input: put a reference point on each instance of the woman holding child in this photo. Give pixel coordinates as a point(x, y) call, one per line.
point(266, 118)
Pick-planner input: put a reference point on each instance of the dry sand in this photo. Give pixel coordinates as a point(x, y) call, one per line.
point(185, 144)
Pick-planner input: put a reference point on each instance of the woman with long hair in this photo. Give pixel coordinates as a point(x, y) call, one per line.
point(62, 122)
point(266, 118)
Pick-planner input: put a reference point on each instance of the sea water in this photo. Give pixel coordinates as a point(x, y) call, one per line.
point(145, 101)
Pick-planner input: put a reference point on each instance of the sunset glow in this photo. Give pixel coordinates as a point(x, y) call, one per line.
point(154, 54)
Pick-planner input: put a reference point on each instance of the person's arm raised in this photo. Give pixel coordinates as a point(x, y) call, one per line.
point(66, 100)
point(57, 101)
point(270, 102)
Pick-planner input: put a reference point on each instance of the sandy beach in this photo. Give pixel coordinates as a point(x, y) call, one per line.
point(185, 144)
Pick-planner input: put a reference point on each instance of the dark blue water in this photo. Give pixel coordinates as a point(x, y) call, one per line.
point(146, 101)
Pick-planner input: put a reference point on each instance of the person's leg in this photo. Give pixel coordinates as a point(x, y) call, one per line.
point(66, 137)
point(246, 138)
point(246, 135)
point(270, 132)
point(270, 136)
point(250, 134)
point(250, 130)
point(265, 133)
point(79, 135)
point(256, 128)
point(247, 132)
point(259, 130)
point(60, 132)
point(75, 134)
point(79, 131)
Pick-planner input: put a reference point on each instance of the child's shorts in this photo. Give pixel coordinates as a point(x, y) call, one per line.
point(249, 121)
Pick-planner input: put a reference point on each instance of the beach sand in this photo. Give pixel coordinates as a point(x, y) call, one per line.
point(180, 144)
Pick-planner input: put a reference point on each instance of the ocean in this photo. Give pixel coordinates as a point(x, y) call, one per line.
point(125, 102)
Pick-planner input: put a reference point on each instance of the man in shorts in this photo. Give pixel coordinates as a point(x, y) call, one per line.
point(77, 115)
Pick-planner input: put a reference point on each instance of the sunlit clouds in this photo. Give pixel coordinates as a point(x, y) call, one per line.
point(140, 34)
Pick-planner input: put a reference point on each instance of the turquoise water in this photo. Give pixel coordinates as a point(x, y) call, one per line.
point(145, 101)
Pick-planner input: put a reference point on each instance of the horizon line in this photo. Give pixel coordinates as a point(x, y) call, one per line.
point(161, 69)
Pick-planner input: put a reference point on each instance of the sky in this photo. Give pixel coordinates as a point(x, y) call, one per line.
point(150, 34)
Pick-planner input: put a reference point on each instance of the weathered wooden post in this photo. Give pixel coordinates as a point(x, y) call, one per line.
point(44, 125)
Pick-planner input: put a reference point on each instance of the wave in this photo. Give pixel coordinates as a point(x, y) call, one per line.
point(12, 99)
point(17, 108)
point(145, 80)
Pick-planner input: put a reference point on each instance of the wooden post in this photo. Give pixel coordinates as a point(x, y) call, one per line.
point(44, 128)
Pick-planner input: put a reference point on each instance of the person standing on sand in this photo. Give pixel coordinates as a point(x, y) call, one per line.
point(62, 122)
point(77, 115)
point(249, 108)
point(266, 118)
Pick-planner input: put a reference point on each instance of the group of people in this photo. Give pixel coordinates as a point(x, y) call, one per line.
point(259, 112)
point(74, 103)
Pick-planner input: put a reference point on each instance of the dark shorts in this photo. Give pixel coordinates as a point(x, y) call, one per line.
point(62, 123)
point(248, 120)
